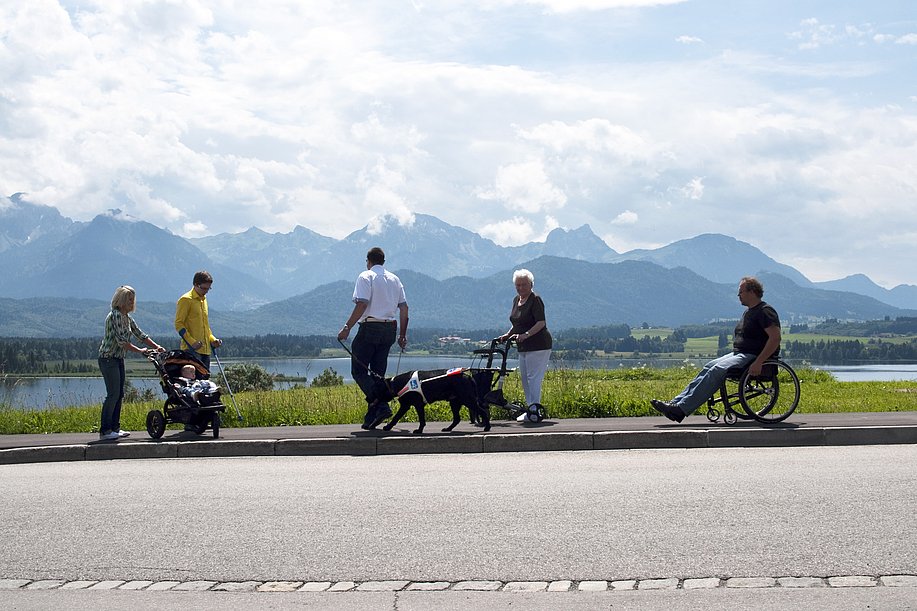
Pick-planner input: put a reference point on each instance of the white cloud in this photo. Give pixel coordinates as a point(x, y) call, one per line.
point(907, 39)
point(509, 232)
point(626, 218)
point(694, 189)
point(525, 187)
point(690, 40)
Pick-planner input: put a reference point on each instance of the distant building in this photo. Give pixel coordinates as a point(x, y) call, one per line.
point(453, 339)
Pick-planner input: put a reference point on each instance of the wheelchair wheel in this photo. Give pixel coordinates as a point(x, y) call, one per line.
point(713, 414)
point(155, 424)
point(771, 397)
point(215, 425)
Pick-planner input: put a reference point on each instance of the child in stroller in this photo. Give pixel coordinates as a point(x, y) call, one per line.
point(202, 392)
point(191, 399)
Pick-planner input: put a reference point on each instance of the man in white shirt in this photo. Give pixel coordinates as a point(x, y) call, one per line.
point(379, 307)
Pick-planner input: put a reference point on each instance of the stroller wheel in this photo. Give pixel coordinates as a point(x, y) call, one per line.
point(215, 424)
point(155, 424)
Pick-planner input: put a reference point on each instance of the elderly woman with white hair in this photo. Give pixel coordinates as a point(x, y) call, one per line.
point(533, 340)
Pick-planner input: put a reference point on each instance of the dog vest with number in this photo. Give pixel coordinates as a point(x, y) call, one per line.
point(415, 384)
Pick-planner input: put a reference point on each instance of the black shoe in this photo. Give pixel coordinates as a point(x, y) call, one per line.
point(669, 410)
point(383, 412)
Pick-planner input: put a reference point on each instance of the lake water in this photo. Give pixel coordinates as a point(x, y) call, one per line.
point(43, 393)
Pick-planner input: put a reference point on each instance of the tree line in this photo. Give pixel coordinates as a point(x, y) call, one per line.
point(77, 355)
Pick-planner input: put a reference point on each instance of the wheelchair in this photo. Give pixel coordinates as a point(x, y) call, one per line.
point(489, 379)
point(770, 397)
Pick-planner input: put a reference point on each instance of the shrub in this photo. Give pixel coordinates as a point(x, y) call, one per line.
point(329, 377)
point(248, 376)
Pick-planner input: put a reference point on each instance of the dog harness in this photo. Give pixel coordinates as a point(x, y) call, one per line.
point(415, 384)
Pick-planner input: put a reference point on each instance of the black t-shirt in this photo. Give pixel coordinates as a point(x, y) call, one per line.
point(750, 335)
point(524, 318)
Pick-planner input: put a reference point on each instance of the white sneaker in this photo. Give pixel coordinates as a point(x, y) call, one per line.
point(523, 417)
point(109, 436)
point(123, 433)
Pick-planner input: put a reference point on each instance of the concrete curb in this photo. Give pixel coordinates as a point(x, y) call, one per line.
point(673, 438)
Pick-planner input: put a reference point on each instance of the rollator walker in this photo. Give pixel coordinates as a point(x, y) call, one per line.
point(489, 380)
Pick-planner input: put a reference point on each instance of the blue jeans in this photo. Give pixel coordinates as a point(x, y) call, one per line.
point(709, 380)
point(113, 374)
point(370, 350)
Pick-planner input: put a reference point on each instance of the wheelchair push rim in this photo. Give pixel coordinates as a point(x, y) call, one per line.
point(773, 397)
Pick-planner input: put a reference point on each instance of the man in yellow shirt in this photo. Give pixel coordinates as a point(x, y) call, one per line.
point(191, 319)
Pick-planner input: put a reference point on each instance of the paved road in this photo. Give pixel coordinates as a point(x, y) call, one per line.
point(579, 516)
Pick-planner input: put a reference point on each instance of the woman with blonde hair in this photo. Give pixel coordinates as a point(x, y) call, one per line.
point(119, 327)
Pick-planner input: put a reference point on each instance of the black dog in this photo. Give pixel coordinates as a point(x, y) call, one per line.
point(418, 388)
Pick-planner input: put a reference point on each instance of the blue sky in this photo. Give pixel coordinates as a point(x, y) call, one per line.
point(791, 125)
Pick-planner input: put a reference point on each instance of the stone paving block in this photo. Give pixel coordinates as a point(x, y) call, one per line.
point(45, 584)
point(12, 584)
point(161, 586)
point(899, 581)
point(628, 440)
point(126, 450)
point(669, 583)
point(215, 448)
point(280, 586)
point(430, 444)
point(592, 586)
point(751, 582)
point(764, 437)
point(137, 584)
point(237, 586)
point(485, 586)
point(336, 446)
point(106, 585)
point(382, 586)
point(851, 581)
point(701, 584)
point(801, 582)
point(79, 584)
point(429, 586)
point(538, 442)
point(560, 586)
point(42, 454)
point(623, 584)
point(321, 586)
point(870, 435)
point(525, 586)
point(195, 586)
point(341, 586)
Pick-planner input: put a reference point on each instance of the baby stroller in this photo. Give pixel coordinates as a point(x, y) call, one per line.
point(489, 381)
point(196, 414)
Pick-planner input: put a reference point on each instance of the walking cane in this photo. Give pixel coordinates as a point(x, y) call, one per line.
point(226, 381)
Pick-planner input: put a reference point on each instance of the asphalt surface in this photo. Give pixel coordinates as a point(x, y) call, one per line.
point(870, 428)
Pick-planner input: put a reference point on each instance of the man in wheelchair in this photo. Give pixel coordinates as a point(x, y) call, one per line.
point(757, 338)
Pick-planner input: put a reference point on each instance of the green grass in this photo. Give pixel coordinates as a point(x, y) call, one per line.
point(567, 393)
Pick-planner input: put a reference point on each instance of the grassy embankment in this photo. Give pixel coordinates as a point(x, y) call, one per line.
point(567, 393)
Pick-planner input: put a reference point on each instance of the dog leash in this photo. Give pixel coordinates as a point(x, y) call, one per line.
point(362, 364)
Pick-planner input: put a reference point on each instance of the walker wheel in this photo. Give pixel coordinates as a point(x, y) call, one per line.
point(155, 424)
point(536, 412)
point(713, 415)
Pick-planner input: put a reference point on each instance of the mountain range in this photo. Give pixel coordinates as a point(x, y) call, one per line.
point(301, 281)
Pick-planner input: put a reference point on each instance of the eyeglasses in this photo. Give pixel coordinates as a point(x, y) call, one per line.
point(204, 287)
